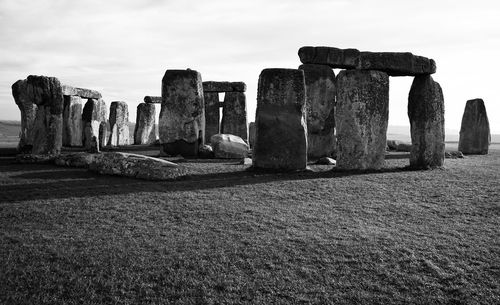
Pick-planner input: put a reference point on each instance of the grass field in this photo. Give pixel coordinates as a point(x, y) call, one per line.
point(233, 236)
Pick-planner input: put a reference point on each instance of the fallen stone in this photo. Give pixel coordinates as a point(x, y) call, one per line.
point(362, 116)
point(94, 112)
point(246, 161)
point(206, 152)
point(397, 145)
point(212, 86)
point(78, 159)
point(251, 134)
point(281, 128)
point(152, 99)
point(212, 116)
point(234, 115)
point(28, 115)
point(145, 131)
point(326, 161)
point(453, 155)
point(475, 134)
point(118, 123)
point(227, 146)
point(426, 113)
point(72, 121)
point(35, 158)
point(135, 166)
point(81, 92)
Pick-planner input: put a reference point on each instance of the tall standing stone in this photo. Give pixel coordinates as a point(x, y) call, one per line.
point(426, 113)
point(234, 115)
point(362, 116)
point(251, 134)
point(94, 112)
point(28, 114)
point(118, 123)
point(72, 121)
point(475, 134)
point(182, 115)
point(145, 131)
point(212, 116)
point(281, 129)
point(320, 105)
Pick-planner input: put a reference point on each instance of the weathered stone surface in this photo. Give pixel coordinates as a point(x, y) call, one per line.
point(104, 135)
point(234, 115)
point(426, 113)
point(81, 92)
point(228, 146)
point(251, 134)
point(72, 121)
point(393, 63)
point(78, 159)
point(46, 93)
point(28, 115)
point(320, 107)
point(362, 116)
point(475, 134)
point(145, 131)
point(118, 123)
point(281, 129)
point(35, 158)
point(94, 112)
point(135, 166)
point(212, 86)
point(206, 152)
point(397, 145)
point(453, 155)
point(212, 116)
point(182, 115)
point(152, 99)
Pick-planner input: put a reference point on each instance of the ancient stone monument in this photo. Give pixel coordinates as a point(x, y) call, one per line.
point(28, 114)
point(182, 115)
point(72, 121)
point(145, 131)
point(281, 130)
point(475, 134)
point(94, 112)
point(152, 99)
point(118, 123)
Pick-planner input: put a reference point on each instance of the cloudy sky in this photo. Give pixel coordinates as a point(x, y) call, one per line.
point(122, 48)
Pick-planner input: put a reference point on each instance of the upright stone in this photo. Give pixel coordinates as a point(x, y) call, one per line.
point(320, 105)
point(46, 93)
point(94, 112)
point(362, 116)
point(28, 114)
point(426, 113)
point(118, 123)
point(182, 115)
point(475, 134)
point(251, 134)
point(72, 121)
point(102, 140)
point(281, 129)
point(145, 131)
point(212, 117)
point(234, 115)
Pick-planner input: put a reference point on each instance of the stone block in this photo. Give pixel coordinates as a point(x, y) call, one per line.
point(118, 123)
point(94, 112)
point(152, 99)
point(28, 114)
point(475, 134)
point(228, 146)
point(212, 116)
point(81, 92)
point(145, 131)
point(211, 86)
point(72, 121)
point(234, 115)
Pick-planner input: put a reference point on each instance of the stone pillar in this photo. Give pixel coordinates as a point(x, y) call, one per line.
point(46, 93)
point(251, 134)
point(320, 105)
point(426, 113)
point(182, 115)
point(28, 114)
point(94, 112)
point(362, 116)
point(212, 117)
point(72, 121)
point(145, 124)
point(234, 115)
point(475, 134)
point(118, 124)
point(281, 130)
point(102, 140)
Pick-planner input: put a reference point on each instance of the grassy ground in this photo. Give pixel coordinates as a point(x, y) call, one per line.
point(231, 236)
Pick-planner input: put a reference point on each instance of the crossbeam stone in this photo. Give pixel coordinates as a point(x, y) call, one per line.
point(152, 99)
point(212, 86)
point(81, 92)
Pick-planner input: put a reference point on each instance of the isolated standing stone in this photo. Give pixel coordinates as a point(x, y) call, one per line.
point(320, 105)
point(362, 116)
point(145, 124)
point(72, 121)
point(94, 112)
point(28, 114)
point(182, 115)
point(475, 134)
point(118, 123)
point(281, 129)
point(212, 117)
point(426, 113)
point(234, 115)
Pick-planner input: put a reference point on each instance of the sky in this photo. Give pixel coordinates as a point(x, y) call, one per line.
point(123, 48)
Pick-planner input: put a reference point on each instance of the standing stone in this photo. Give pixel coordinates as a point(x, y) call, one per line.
point(475, 134)
point(362, 116)
point(212, 117)
point(46, 93)
point(145, 124)
point(426, 113)
point(234, 115)
point(103, 134)
point(251, 134)
point(281, 129)
point(72, 121)
point(28, 114)
point(320, 105)
point(118, 123)
point(182, 115)
point(94, 112)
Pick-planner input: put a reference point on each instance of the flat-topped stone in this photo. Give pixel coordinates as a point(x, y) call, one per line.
point(28, 113)
point(118, 123)
point(145, 124)
point(393, 63)
point(152, 99)
point(212, 86)
point(475, 134)
point(81, 92)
